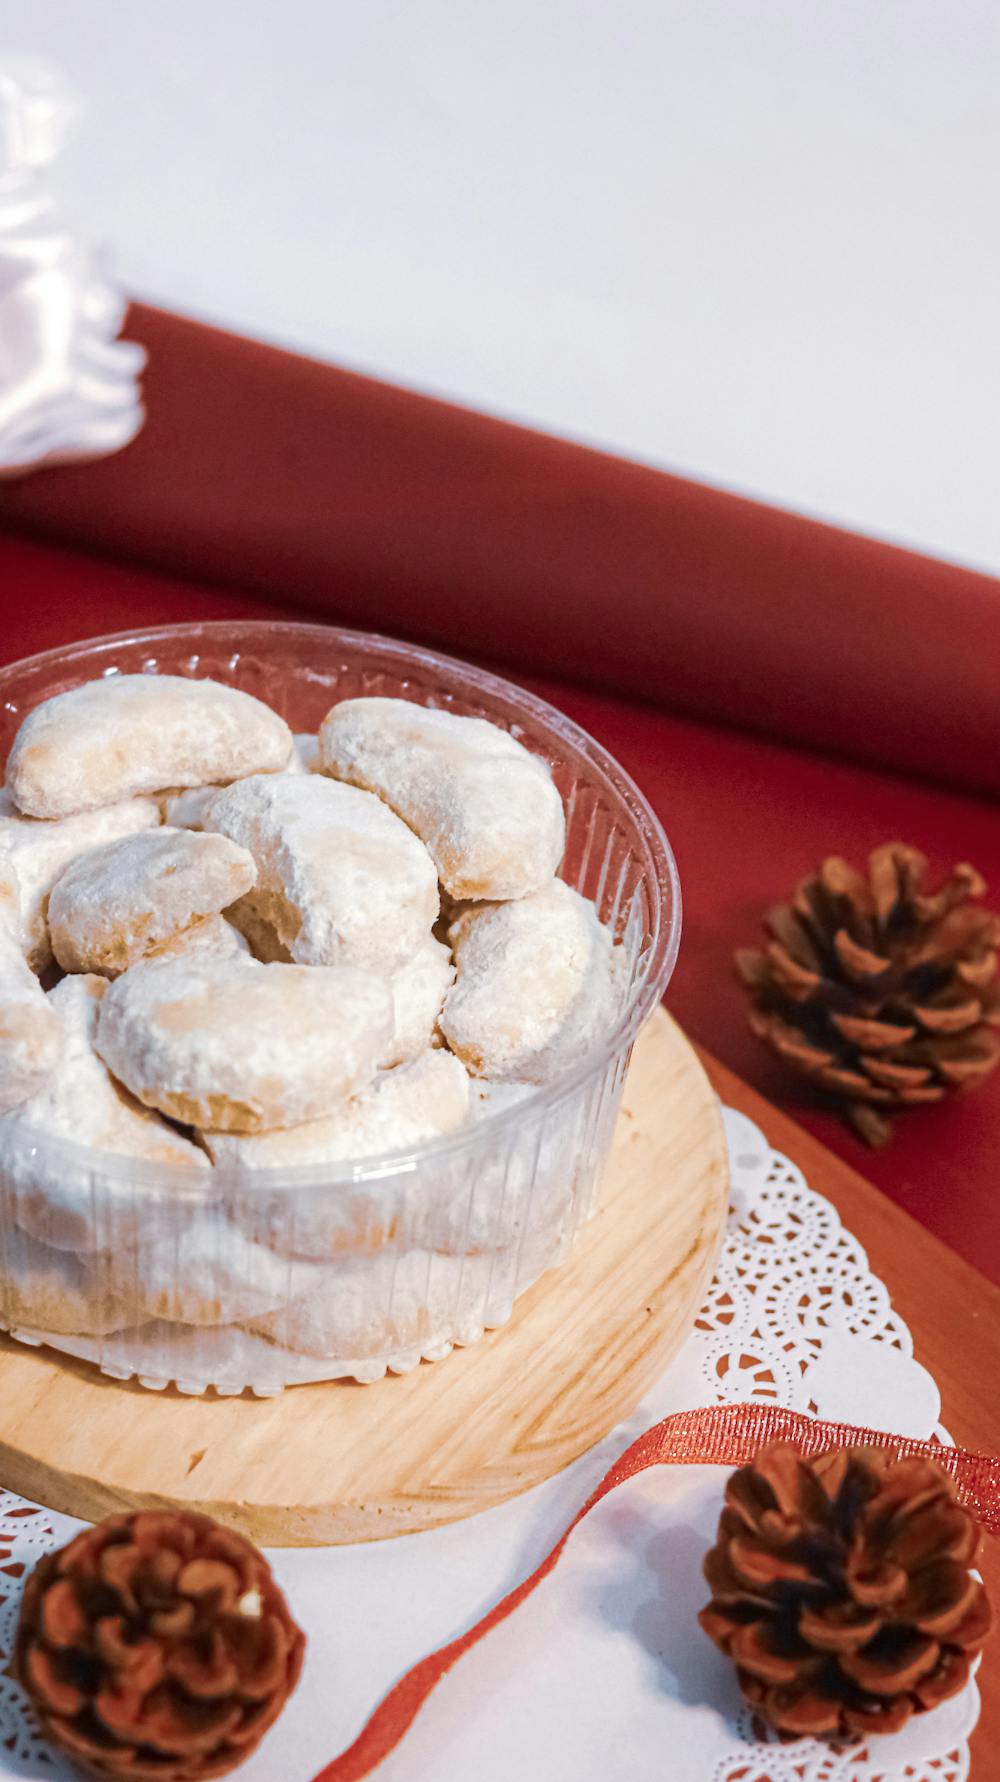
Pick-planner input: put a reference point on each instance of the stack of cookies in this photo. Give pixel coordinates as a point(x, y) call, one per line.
point(240, 969)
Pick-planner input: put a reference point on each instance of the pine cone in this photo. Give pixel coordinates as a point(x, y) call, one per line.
point(841, 1590)
point(879, 992)
point(157, 1645)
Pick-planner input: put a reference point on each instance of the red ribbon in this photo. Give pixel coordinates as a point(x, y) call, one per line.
point(720, 1435)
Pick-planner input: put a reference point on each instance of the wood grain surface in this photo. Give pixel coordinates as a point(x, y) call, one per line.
point(341, 1462)
point(952, 1311)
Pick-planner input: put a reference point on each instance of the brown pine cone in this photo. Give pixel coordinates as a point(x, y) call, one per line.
point(879, 992)
point(841, 1590)
point(157, 1645)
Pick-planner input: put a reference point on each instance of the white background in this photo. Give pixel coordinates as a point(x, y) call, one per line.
point(754, 240)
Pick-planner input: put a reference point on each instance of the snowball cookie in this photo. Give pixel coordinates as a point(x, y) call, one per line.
point(110, 739)
point(41, 851)
point(535, 986)
point(31, 1033)
point(487, 809)
point(341, 880)
point(53, 1199)
point(53, 1292)
point(116, 903)
point(241, 1047)
point(418, 993)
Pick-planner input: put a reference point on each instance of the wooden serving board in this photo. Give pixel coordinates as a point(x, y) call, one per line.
point(341, 1462)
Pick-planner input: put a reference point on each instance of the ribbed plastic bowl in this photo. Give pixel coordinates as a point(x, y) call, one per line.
point(228, 1280)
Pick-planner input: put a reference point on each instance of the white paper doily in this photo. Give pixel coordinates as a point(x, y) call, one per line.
point(605, 1672)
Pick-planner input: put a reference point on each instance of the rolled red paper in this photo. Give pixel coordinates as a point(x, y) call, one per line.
point(379, 507)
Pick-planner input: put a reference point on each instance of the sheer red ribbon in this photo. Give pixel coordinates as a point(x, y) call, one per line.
point(723, 1435)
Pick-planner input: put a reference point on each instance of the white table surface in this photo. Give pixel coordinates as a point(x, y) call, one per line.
point(755, 240)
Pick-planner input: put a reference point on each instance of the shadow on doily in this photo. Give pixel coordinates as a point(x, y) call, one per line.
point(654, 1597)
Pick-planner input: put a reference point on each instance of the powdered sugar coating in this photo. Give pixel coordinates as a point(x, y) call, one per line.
point(239, 1047)
point(418, 993)
point(42, 850)
point(536, 984)
point(402, 1108)
point(210, 1272)
point(118, 902)
point(341, 879)
point(52, 1290)
point(213, 937)
point(51, 1198)
point(113, 738)
point(487, 809)
point(436, 1300)
point(31, 1036)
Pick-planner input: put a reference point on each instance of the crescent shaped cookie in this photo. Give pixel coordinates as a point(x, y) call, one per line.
point(31, 1034)
point(42, 850)
point(240, 1047)
point(341, 880)
point(71, 1205)
point(118, 902)
point(111, 739)
point(487, 810)
point(537, 982)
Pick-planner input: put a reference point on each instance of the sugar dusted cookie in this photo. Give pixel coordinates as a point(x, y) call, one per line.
point(340, 879)
point(41, 851)
point(58, 1199)
point(401, 1109)
point(187, 808)
point(31, 1035)
point(132, 733)
point(43, 1290)
point(486, 808)
point(537, 983)
point(210, 1273)
point(393, 1304)
point(370, 1312)
point(118, 902)
point(418, 993)
point(213, 937)
point(240, 1047)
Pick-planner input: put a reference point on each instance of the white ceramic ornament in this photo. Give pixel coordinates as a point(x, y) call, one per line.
point(68, 387)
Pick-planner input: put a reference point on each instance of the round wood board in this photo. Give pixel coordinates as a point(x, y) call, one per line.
point(341, 1462)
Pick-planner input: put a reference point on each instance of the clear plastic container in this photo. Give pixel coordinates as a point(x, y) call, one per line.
point(226, 1280)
